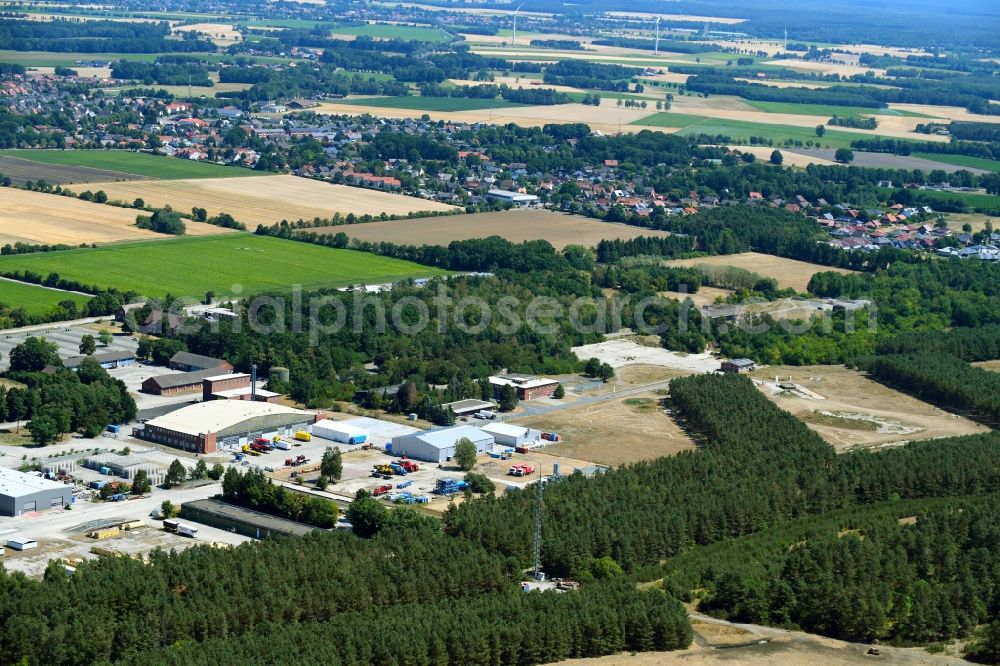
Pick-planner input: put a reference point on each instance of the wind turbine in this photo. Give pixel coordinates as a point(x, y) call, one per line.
point(513, 37)
point(656, 46)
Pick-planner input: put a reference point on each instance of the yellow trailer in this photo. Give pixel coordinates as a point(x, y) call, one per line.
point(303, 436)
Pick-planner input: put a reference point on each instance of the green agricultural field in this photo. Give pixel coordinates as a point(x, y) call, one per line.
point(229, 264)
point(827, 110)
point(741, 131)
point(990, 202)
point(407, 32)
point(430, 103)
point(36, 300)
point(139, 164)
point(962, 160)
point(53, 59)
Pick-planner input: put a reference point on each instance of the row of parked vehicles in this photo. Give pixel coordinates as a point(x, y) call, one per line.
point(396, 468)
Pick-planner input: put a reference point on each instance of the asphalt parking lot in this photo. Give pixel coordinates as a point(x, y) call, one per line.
point(66, 338)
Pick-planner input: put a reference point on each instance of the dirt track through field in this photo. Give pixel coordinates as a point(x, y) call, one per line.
point(268, 199)
point(21, 171)
point(38, 218)
point(514, 225)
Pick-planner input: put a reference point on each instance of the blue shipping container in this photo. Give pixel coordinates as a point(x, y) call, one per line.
point(114, 428)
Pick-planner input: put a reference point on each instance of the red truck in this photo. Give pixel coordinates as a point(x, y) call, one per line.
point(408, 465)
point(296, 461)
point(381, 490)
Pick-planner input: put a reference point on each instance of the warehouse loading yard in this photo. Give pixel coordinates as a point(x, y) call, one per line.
point(92, 528)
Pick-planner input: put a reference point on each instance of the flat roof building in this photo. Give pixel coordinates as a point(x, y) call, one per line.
point(234, 386)
point(337, 431)
point(243, 521)
point(467, 407)
point(527, 387)
point(22, 493)
point(519, 199)
point(206, 426)
point(439, 445)
point(508, 434)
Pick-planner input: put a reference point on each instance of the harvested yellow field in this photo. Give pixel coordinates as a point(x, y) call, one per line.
point(824, 67)
point(788, 272)
point(220, 33)
point(947, 112)
point(605, 118)
point(786, 84)
point(267, 199)
point(85, 72)
point(515, 225)
point(517, 82)
point(790, 158)
point(36, 217)
point(679, 17)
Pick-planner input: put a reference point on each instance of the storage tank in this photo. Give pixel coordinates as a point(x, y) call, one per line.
point(279, 373)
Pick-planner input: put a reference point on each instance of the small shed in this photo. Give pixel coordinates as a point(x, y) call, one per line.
point(738, 365)
point(21, 543)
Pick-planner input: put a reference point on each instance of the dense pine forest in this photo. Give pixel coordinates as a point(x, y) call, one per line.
point(760, 478)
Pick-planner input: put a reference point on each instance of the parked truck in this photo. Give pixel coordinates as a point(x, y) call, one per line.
point(398, 469)
point(408, 465)
point(296, 461)
point(381, 490)
point(188, 531)
point(521, 470)
point(450, 486)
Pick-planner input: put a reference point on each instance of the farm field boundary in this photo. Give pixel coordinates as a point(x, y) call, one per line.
point(239, 264)
point(131, 163)
point(514, 225)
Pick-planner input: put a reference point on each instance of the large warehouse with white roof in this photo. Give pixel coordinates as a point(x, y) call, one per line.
point(439, 445)
point(23, 493)
point(207, 426)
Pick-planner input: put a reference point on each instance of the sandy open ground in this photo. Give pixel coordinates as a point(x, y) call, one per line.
point(613, 432)
point(623, 352)
point(704, 295)
point(858, 412)
point(604, 118)
point(35, 217)
point(267, 199)
point(514, 225)
point(788, 272)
